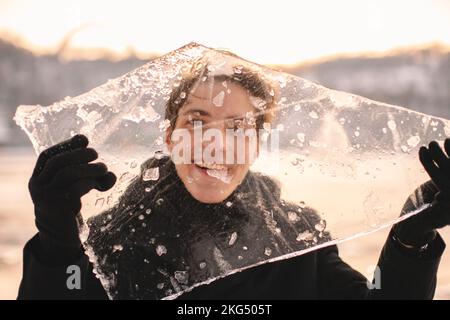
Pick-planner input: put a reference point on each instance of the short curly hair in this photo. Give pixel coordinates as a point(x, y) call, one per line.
point(250, 80)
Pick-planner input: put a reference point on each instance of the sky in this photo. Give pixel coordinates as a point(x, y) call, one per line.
point(268, 32)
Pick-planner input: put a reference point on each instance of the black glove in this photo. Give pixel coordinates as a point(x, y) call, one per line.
point(420, 229)
point(62, 175)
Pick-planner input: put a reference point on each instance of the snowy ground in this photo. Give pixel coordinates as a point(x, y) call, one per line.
point(17, 226)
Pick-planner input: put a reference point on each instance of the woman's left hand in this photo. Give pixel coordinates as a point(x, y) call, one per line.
point(421, 228)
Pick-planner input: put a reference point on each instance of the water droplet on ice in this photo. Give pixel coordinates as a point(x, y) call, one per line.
point(321, 225)
point(151, 174)
point(160, 250)
point(233, 239)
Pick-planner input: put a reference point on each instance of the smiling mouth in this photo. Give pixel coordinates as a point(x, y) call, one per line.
point(211, 166)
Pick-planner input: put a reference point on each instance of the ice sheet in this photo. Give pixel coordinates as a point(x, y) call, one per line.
point(330, 166)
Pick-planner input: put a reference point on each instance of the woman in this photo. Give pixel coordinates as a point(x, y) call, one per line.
point(202, 219)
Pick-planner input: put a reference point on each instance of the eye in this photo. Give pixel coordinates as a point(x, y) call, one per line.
point(191, 121)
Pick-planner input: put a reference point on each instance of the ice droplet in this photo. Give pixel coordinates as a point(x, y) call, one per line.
point(218, 100)
point(202, 265)
point(301, 137)
point(313, 115)
point(356, 133)
point(229, 204)
point(99, 202)
point(160, 250)
point(148, 211)
point(292, 216)
point(413, 141)
point(321, 225)
point(159, 201)
point(160, 286)
point(268, 251)
point(233, 239)
point(117, 247)
point(304, 236)
point(159, 141)
point(148, 189)
point(181, 276)
point(159, 155)
point(141, 217)
point(302, 204)
point(141, 206)
point(151, 174)
point(391, 124)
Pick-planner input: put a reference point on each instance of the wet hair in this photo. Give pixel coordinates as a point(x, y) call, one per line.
point(248, 79)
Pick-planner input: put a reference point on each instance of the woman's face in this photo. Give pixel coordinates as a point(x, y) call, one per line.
point(224, 107)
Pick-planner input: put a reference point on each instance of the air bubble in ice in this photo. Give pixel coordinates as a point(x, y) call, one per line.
point(160, 250)
point(151, 174)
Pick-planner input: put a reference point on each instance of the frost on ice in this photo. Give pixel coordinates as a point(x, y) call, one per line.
point(334, 166)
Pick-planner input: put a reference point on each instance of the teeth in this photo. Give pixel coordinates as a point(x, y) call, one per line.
point(213, 166)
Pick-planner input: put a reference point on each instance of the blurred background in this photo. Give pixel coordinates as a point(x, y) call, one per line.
point(391, 51)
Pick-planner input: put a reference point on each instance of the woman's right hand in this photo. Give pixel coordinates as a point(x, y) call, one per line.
point(62, 175)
